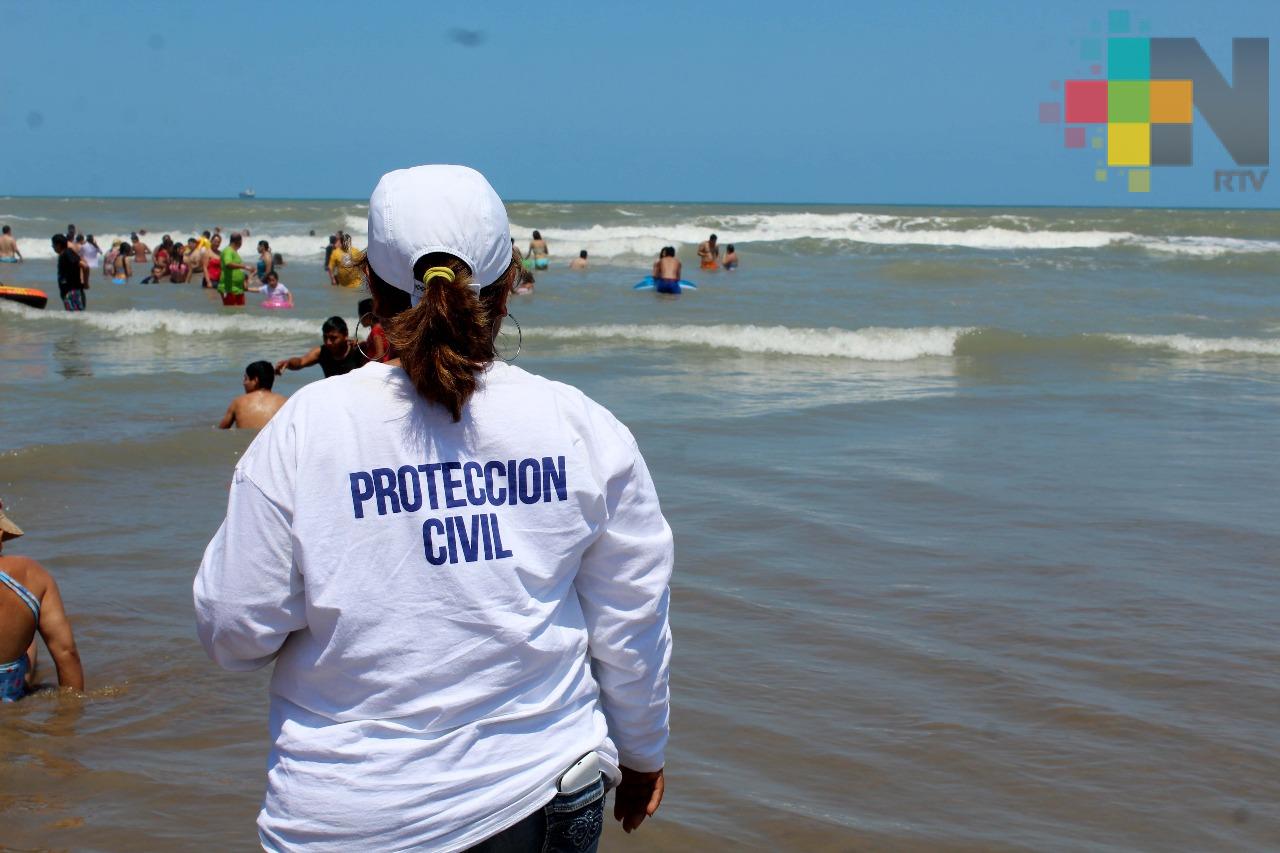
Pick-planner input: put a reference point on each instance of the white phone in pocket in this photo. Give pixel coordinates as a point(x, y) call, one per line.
point(583, 772)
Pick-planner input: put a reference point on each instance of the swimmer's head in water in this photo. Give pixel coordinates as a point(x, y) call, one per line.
point(259, 376)
point(334, 331)
point(583, 254)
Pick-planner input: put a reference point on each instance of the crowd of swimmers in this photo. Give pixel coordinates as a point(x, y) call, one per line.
point(539, 255)
point(216, 262)
point(212, 259)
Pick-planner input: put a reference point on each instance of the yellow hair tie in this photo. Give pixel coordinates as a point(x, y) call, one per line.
point(438, 272)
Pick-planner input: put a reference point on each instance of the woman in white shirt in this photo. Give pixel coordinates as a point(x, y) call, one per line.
point(460, 570)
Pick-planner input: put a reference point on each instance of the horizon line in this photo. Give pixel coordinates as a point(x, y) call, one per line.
point(1046, 206)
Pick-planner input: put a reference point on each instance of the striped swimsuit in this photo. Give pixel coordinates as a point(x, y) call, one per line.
point(13, 675)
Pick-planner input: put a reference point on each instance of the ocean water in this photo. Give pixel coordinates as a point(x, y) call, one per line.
point(976, 516)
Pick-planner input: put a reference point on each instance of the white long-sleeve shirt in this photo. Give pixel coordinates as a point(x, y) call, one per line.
point(457, 611)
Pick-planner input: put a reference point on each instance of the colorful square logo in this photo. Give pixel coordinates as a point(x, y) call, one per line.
point(1143, 105)
point(1086, 101)
point(1171, 102)
point(1128, 59)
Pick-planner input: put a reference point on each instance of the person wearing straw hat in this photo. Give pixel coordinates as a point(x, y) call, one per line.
point(459, 569)
point(29, 604)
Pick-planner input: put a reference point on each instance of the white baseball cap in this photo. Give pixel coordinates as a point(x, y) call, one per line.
point(453, 209)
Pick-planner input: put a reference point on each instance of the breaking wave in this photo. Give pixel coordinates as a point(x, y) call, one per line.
point(625, 235)
point(872, 343)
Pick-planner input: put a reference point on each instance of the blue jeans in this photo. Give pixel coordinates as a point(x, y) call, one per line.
point(570, 823)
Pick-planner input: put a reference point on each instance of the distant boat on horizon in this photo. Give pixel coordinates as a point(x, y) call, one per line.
point(248, 193)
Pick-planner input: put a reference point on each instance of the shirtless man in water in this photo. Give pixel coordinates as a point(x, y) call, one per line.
point(9, 253)
point(667, 271)
point(709, 253)
point(141, 251)
point(30, 603)
point(258, 403)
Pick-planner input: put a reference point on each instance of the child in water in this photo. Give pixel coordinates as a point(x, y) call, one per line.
point(276, 295)
point(731, 259)
point(526, 282)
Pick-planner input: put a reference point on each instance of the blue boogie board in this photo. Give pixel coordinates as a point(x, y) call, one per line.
point(650, 283)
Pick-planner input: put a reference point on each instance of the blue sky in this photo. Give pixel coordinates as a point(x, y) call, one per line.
point(843, 102)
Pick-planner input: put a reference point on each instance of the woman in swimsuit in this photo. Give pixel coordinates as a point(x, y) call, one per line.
point(213, 262)
point(30, 603)
point(179, 270)
point(538, 251)
point(266, 260)
point(121, 270)
point(109, 259)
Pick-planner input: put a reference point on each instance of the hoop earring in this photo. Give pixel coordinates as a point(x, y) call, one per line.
point(519, 342)
point(360, 344)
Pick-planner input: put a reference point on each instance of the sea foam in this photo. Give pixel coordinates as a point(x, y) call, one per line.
point(1188, 345)
point(140, 322)
point(871, 343)
point(639, 238)
point(868, 344)
point(1005, 233)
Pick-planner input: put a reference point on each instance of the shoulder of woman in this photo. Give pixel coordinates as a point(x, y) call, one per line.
point(582, 412)
point(27, 572)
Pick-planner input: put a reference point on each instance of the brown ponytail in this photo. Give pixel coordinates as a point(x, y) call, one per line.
point(447, 338)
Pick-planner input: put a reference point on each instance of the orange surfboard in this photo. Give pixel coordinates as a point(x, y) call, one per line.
point(25, 295)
